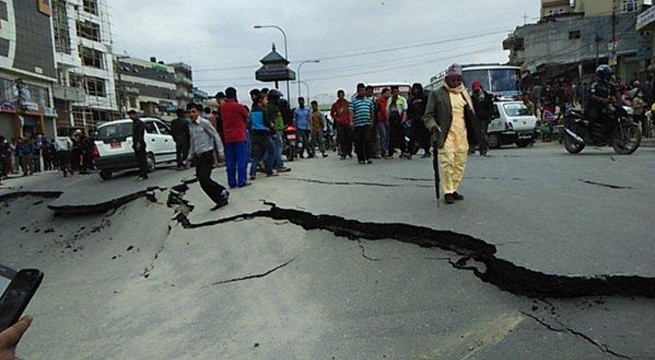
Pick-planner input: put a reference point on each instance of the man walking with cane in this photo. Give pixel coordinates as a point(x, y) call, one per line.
point(451, 118)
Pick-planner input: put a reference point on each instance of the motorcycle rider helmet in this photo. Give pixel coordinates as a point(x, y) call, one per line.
point(604, 72)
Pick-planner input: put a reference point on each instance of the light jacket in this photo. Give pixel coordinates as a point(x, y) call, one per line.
point(439, 112)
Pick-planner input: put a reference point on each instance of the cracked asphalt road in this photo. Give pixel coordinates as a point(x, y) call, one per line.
point(261, 279)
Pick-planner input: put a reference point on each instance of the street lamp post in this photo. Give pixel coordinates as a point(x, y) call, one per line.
point(286, 52)
point(306, 88)
point(299, 66)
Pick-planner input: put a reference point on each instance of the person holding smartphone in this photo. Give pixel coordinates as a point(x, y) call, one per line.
point(10, 337)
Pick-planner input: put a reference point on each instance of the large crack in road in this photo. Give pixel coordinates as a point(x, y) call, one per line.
point(478, 256)
point(498, 272)
point(474, 254)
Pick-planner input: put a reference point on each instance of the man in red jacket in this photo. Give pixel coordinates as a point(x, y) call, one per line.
point(235, 117)
point(341, 114)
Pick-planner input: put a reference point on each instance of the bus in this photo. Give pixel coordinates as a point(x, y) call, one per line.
point(501, 80)
point(404, 88)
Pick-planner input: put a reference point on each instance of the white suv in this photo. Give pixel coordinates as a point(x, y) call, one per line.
point(114, 146)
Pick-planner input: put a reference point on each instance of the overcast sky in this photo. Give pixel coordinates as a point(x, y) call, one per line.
point(355, 40)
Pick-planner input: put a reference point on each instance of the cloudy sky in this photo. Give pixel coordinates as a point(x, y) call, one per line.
point(370, 41)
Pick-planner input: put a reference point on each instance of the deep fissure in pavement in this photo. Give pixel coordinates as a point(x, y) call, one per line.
point(501, 273)
point(474, 254)
point(490, 269)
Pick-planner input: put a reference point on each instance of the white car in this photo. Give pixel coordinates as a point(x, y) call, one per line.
point(114, 146)
point(512, 124)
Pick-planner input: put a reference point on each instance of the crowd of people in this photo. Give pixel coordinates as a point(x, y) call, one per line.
point(549, 101)
point(34, 153)
point(250, 140)
point(378, 128)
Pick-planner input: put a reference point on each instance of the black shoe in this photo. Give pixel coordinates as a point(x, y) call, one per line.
point(343, 157)
point(224, 201)
point(325, 155)
point(425, 156)
point(457, 196)
point(449, 199)
point(369, 161)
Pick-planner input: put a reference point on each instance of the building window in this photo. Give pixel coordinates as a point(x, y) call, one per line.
point(574, 34)
point(95, 86)
point(90, 6)
point(75, 80)
point(628, 6)
point(88, 30)
point(60, 27)
point(92, 57)
point(92, 86)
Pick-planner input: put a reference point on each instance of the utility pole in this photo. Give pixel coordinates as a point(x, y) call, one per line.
point(613, 57)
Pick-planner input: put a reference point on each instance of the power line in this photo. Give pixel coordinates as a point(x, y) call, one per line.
point(349, 75)
point(397, 61)
point(370, 52)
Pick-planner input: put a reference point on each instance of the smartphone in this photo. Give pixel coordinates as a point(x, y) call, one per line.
point(6, 274)
point(17, 295)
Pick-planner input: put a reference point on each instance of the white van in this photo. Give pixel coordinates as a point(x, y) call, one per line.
point(512, 123)
point(114, 146)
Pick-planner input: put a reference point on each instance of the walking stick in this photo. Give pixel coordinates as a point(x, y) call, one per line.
point(435, 167)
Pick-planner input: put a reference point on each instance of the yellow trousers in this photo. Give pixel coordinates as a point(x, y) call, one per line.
point(452, 161)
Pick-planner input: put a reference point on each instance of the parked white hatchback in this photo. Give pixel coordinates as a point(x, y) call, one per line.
point(512, 123)
point(114, 146)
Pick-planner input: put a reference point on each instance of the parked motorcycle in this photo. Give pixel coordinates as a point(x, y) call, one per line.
point(290, 134)
point(618, 130)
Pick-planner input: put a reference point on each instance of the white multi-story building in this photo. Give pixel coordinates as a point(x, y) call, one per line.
point(147, 86)
point(86, 92)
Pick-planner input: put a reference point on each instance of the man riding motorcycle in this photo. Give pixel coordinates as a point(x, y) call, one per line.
point(604, 122)
point(602, 93)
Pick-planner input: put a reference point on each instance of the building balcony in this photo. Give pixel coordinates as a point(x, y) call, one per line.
point(68, 93)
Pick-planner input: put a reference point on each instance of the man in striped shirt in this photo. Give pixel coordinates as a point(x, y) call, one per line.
point(361, 114)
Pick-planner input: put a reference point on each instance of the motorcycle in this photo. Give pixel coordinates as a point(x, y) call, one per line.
point(618, 130)
point(290, 134)
point(328, 138)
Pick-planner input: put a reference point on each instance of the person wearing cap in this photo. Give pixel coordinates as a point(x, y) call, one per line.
point(483, 104)
point(450, 117)
point(139, 144)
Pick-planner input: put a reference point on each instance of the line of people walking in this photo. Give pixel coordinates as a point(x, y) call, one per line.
point(380, 128)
